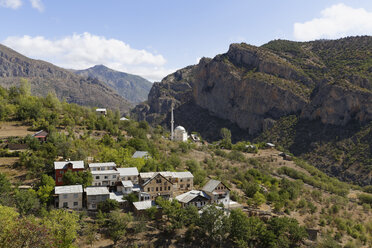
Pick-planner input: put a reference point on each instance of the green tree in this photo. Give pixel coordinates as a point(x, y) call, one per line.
point(8, 220)
point(84, 178)
point(45, 191)
point(214, 225)
point(5, 190)
point(27, 201)
point(259, 199)
point(63, 225)
point(117, 224)
point(226, 138)
point(108, 205)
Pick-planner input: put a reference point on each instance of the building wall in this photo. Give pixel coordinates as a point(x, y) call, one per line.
point(73, 200)
point(134, 179)
point(180, 135)
point(103, 181)
point(59, 175)
point(221, 198)
point(184, 184)
point(158, 185)
point(93, 200)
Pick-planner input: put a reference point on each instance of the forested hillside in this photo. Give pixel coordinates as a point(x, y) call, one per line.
point(281, 200)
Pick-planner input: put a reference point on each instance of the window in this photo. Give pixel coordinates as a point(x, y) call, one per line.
point(60, 179)
point(65, 196)
point(181, 180)
point(161, 189)
point(188, 179)
point(61, 172)
point(75, 204)
point(158, 180)
point(112, 183)
point(181, 186)
point(113, 176)
point(148, 189)
point(75, 195)
point(97, 177)
point(152, 189)
point(65, 204)
point(94, 206)
point(157, 189)
point(188, 186)
point(168, 187)
point(106, 177)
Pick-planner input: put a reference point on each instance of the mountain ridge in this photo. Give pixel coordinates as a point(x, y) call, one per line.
point(131, 87)
point(46, 77)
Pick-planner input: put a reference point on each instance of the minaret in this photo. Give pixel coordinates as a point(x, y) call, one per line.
point(172, 125)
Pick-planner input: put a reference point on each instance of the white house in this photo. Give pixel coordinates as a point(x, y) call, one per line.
point(128, 174)
point(105, 177)
point(96, 195)
point(218, 192)
point(127, 187)
point(180, 134)
point(70, 196)
point(194, 197)
point(101, 111)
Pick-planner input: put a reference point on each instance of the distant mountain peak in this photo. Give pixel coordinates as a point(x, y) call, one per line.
point(131, 87)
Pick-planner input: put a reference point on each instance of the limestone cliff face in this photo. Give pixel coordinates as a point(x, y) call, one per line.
point(252, 87)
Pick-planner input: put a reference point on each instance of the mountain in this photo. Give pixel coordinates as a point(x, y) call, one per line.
point(312, 98)
point(131, 87)
point(45, 77)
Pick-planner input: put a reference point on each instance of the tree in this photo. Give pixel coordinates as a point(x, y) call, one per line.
point(63, 225)
point(108, 205)
point(226, 138)
point(287, 231)
point(117, 224)
point(8, 220)
point(45, 190)
point(5, 189)
point(214, 224)
point(27, 201)
point(84, 178)
point(259, 199)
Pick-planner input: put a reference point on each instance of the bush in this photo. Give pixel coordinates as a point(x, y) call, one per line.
point(108, 205)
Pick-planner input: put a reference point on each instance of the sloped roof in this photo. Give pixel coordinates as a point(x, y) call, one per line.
point(143, 205)
point(68, 189)
point(98, 165)
point(130, 171)
point(41, 133)
point(105, 172)
point(190, 195)
point(155, 175)
point(101, 110)
point(211, 185)
point(140, 154)
point(127, 184)
point(97, 191)
point(181, 174)
point(75, 164)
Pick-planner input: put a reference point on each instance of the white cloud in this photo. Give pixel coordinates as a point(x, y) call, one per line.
point(80, 51)
point(336, 21)
point(13, 4)
point(37, 4)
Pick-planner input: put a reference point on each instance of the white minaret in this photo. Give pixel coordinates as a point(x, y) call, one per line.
point(172, 125)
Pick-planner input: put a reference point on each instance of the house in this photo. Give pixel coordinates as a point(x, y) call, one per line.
point(124, 119)
point(101, 111)
point(218, 192)
point(102, 166)
point(141, 206)
point(70, 196)
point(62, 167)
point(104, 174)
point(194, 197)
point(158, 185)
point(141, 154)
point(180, 134)
point(182, 181)
point(127, 187)
point(286, 156)
point(96, 195)
point(105, 177)
point(41, 135)
point(129, 173)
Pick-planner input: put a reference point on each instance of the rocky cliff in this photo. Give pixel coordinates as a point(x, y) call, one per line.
point(249, 89)
point(45, 77)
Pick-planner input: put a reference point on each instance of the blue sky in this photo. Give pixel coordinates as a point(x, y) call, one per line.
point(154, 38)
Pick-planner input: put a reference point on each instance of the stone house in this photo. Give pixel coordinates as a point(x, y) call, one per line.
point(70, 196)
point(95, 195)
point(158, 185)
point(218, 192)
point(194, 197)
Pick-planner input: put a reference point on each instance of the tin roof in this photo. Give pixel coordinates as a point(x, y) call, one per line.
point(97, 191)
point(97, 165)
point(68, 189)
point(130, 171)
point(75, 164)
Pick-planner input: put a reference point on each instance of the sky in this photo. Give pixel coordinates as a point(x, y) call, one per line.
point(155, 38)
